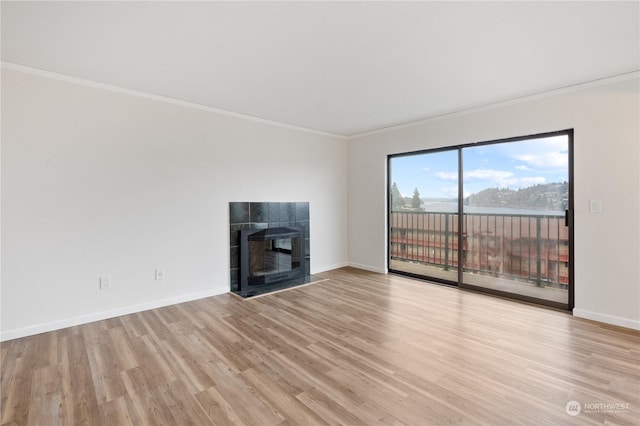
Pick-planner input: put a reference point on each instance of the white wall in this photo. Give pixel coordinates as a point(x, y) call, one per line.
point(97, 182)
point(606, 120)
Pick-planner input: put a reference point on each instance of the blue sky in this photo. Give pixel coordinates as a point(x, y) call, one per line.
point(505, 165)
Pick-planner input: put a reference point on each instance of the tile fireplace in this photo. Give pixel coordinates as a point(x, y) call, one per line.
point(269, 246)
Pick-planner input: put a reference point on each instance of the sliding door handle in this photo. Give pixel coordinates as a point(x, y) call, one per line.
point(568, 217)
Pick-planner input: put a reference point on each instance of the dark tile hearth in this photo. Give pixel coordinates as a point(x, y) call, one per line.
point(274, 287)
point(267, 215)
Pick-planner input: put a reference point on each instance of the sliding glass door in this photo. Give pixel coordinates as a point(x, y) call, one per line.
point(494, 217)
point(423, 217)
point(514, 224)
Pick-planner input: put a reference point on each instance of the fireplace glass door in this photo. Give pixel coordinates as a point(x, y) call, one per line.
point(273, 256)
point(270, 256)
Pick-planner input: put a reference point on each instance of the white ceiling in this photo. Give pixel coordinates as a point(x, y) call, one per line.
point(338, 67)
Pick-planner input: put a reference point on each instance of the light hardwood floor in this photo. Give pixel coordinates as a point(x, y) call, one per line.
point(356, 348)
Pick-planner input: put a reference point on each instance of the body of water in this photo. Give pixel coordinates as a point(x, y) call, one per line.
point(452, 207)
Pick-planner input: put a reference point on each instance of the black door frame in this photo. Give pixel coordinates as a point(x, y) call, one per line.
point(460, 283)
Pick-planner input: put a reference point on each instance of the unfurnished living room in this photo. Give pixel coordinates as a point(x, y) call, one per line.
point(312, 213)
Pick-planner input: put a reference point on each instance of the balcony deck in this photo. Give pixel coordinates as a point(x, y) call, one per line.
point(523, 254)
point(489, 282)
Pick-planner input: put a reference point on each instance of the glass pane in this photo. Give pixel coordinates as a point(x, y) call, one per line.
point(273, 256)
point(423, 217)
point(515, 238)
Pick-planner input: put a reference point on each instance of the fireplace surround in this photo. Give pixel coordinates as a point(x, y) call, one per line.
point(269, 246)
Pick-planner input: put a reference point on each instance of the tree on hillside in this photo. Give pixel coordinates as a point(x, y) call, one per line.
point(416, 202)
point(396, 198)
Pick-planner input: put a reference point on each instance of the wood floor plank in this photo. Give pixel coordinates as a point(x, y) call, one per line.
point(217, 408)
point(357, 348)
point(327, 407)
point(16, 395)
point(105, 372)
point(183, 407)
point(134, 325)
point(245, 401)
point(285, 403)
point(81, 389)
point(116, 412)
point(150, 407)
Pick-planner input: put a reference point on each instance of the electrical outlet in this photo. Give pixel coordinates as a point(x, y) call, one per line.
point(105, 282)
point(159, 274)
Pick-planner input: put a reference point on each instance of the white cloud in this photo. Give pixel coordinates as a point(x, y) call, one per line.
point(426, 169)
point(487, 174)
point(522, 182)
point(447, 175)
point(548, 154)
point(545, 160)
point(502, 178)
point(545, 155)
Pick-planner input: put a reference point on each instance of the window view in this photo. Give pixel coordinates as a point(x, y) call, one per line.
point(424, 215)
point(512, 237)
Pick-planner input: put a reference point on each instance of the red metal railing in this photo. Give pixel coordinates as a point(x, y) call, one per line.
point(531, 247)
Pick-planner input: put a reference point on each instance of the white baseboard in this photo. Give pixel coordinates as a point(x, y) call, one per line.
point(112, 313)
point(607, 319)
point(329, 268)
point(367, 267)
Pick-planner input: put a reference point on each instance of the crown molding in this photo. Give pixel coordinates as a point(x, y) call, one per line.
point(158, 98)
point(508, 102)
point(480, 108)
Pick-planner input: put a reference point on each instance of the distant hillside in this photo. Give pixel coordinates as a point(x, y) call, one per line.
point(550, 196)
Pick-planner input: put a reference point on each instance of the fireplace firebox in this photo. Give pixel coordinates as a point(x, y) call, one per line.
point(276, 236)
point(271, 257)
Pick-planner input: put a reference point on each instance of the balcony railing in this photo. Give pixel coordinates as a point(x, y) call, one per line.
point(513, 246)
